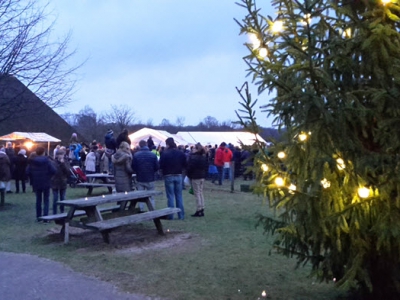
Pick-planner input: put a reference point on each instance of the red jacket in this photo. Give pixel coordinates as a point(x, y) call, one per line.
point(222, 155)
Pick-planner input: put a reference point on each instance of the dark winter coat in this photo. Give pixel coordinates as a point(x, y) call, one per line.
point(60, 178)
point(172, 161)
point(21, 162)
point(5, 174)
point(123, 137)
point(122, 161)
point(197, 167)
point(11, 156)
point(110, 142)
point(40, 170)
point(145, 164)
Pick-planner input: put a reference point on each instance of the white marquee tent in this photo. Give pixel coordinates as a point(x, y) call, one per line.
point(35, 137)
point(216, 138)
point(158, 136)
point(194, 137)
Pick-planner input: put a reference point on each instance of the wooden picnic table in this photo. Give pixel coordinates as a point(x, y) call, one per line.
point(91, 209)
point(106, 181)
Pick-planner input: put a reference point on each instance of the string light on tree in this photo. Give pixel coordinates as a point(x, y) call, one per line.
point(325, 183)
point(277, 26)
point(384, 2)
point(263, 52)
point(363, 192)
point(302, 137)
point(340, 164)
point(281, 155)
point(254, 40)
point(292, 188)
point(264, 294)
point(264, 168)
point(279, 181)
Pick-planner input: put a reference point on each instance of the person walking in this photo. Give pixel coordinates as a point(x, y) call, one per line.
point(196, 171)
point(172, 164)
point(59, 180)
point(21, 162)
point(122, 161)
point(5, 174)
point(40, 170)
point(145, 165)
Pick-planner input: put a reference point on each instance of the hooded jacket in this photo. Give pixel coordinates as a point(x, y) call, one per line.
point(122, 161)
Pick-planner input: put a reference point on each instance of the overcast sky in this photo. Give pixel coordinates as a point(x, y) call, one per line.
point(163, 58)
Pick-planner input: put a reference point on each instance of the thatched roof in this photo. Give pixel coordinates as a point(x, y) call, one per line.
point(22, 110)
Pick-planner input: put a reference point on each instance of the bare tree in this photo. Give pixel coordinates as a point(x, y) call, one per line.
point(28, 54)
point(89, 125)
point(122, 116)
point(210, 122)
point(180, 121)
point(165, 123)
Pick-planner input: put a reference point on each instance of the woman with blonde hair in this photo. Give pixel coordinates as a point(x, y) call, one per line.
point(122, 161)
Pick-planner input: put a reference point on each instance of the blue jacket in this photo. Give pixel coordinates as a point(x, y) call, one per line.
point(145, 164)
point(40, 170)
point(172, 161)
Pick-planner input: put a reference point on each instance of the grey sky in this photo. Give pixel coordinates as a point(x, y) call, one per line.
point(162, 58)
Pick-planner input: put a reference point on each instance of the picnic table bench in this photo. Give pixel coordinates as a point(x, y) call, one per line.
point(91, 210)
point(107, 180)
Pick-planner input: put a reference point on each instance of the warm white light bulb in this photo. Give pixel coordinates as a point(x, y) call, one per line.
point(363, 192)
point(281, 155)
point(384, 2)
point(325, 183)
point(292, 187)
point(264, 167)
point(277, 26)
point(302, 136)
point(263, 52)
point(254, 40)
point(279, 181)
point(264, 294)
point(340, 164)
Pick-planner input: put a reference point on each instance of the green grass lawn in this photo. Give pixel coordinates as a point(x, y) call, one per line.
point(220, 256)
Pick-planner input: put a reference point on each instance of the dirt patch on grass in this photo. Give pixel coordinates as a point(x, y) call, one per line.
point(127, 240)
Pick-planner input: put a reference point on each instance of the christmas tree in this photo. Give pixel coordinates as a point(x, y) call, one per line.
point(333, 71)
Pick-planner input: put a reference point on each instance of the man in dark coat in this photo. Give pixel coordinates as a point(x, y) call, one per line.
point(11, 155)
point(145, 165)
point(40, 170)
point(173, 163)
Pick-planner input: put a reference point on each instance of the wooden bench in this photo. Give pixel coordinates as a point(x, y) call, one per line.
point(106, 226)
point(61, 217)
point(91, 185)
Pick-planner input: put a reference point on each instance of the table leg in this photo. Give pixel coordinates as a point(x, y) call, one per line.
point(69, 217)
point(159, 227)
point(90, 190)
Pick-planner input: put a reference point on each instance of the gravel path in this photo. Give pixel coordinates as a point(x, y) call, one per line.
point(30, 277)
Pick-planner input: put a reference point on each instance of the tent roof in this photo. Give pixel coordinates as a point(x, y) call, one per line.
point(158, 136)
point(216, 138)
point(33, 136)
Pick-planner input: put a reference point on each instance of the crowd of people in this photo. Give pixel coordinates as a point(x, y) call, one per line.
point(116, 156)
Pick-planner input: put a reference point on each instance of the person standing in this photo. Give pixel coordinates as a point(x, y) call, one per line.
point(74, 151)
point(11, 155)
point(122, 161)
point(21, 162)
point(150, 143)
point(111, 148)
point(196, 171)
point(5, 174)
point(40, 170)
point(172, 164)
point(222, 161)
point(123, 137)
point(59, 180)
point(145, 165)
point(90, 162)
